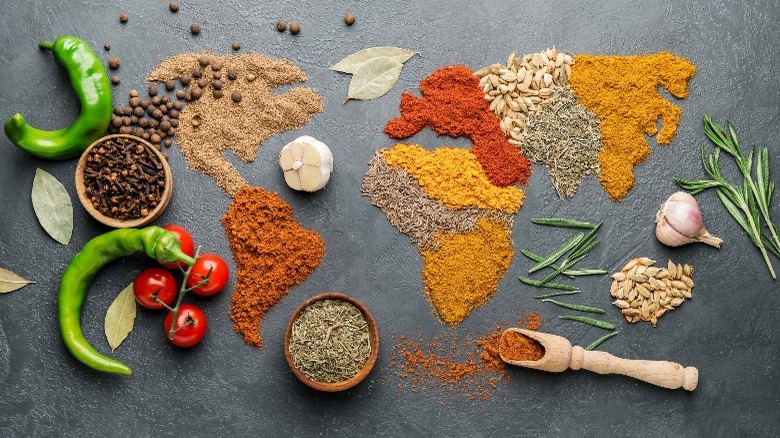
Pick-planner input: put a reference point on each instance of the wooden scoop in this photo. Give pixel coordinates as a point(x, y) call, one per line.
point(559, 355)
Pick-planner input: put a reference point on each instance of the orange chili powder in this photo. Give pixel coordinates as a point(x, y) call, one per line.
point(517, 346)
point(272, 252)
point(453, 104)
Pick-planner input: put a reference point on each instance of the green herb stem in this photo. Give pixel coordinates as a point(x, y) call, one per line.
point(562, 223)
point(571, 273)
point(576, 307)
point(537, 283)
point(600, 341)
point(590, 321)
point(574, 242)
point(555, 294)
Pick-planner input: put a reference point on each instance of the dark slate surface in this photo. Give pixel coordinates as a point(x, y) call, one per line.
point(224, 387)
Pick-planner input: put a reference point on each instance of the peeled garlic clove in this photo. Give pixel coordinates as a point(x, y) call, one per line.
point(307, 164)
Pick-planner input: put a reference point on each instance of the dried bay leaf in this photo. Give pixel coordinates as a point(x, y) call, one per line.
point(10, 281)
point(352, 63)
point(52, 206)
point(120, 317)
point(374, 78)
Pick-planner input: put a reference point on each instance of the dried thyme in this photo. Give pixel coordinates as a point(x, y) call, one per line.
point(564, 136)
point(330, 341)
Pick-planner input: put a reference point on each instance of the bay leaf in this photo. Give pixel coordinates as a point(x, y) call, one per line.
point(374, 78)
point(120, 317)
point(52, 206)
point(351, 63)
point(10, 282)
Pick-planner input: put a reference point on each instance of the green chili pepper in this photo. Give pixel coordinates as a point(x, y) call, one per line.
point(156, 242)
point(90, 82)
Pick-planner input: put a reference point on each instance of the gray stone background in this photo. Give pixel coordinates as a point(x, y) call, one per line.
point(224, 387)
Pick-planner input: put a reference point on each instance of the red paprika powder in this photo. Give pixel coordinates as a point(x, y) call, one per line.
point(454, 105)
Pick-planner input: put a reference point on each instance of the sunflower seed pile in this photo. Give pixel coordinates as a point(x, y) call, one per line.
point(519, 88)
point(645, 292)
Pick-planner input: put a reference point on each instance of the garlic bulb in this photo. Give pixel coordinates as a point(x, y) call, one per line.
point(679, 222)
point(307, 164)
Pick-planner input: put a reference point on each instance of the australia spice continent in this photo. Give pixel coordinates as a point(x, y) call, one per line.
point(456, 205)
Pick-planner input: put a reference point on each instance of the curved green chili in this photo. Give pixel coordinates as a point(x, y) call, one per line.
point(156, 242)
point(90, 83)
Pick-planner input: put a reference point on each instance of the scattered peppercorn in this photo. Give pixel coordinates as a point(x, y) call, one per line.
point(123, 18)
point(236, 45)
point(236, 96)
point(195, 29)
point(202, 82)
point(173, 6)
point(185, 79)
point(217, 94)
point(216, 75)
point(197, 74)
point(170, 85)
point(106, 46)
point(114, 63)
point(138, 111)
point(153, 89)
point(232, 74)
point(196, 92)
point(155, 100)
point(295, 28)
point(203, 61)
point(168, 142)
point(349, 19)
point(281, 26)
point(216, 84)
point(180, 93)
point(134, 93)
point(216, 66)
point(115, 79)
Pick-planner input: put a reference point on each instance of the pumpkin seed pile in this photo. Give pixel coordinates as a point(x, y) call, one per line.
point(645, 292)
point(518, 88)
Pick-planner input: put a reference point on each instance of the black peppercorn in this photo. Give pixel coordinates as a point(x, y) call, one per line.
point(195, 29)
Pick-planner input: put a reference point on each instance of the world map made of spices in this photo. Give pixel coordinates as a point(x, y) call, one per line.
point(457, 205)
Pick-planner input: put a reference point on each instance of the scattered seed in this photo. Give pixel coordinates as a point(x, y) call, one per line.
point(195, 29)
point(173, 6)
point(170, 85)
point(152, 89)
point(217, 93)
point(115, 79)
point(295, 27)
point(106, 47)
point(349, 19)
point(281, 26)
point(114, 63)
point(236, 45)
point(250, 77)
point(123, 18)
point(232, 74)
point(236, 96)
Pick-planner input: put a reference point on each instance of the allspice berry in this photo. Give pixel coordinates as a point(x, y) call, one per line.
point(236, 45)
point(349, 19)
point(115, 79)
point(195, 29)
point(173, 6)
point(196, 92)
point(114, 63)
point(236, 96)
point(123, 18)
point(217, 94)
point(295, 27)
point(281, 26)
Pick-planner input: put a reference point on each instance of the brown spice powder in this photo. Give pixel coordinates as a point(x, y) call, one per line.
point(210, 126)
point(272, 252)
point(517, 346)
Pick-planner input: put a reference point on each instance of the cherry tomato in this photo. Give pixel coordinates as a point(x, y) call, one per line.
point(155, 282)
point(216, 280)
point(190, 326)
point(187, 245)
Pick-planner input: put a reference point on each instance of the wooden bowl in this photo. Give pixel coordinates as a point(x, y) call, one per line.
point(373, 334)
point(116, 223)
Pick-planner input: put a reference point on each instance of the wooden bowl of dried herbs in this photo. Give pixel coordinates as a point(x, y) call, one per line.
point(331, 342)
point(123, 181)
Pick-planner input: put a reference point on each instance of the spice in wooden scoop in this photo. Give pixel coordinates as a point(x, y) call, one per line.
point(330, 341)
point(516, 346)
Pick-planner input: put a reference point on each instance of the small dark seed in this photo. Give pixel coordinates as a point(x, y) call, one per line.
point(168, 142)
point(236, 96)
point(145, 103)
point(281, 26)
point(216, 66)
point(349, 19)
point(163, 109)
point(170, 85)
point(153, 89)
point(133, 119)
point(295, 27)
point(137, 131)
point(145, 136)
point(177, 105)
point(172, 131)
point(126, 110)
point(202, 82)
point(174, 122)
point(180, 94)
point(165, 126)
point(125, 130)
point(116, 121)
point(203, 61)
point(143, 122)
point(119, 110)
point(216, 75)
point(216, 84)
point(217, 94)
point(174, 113)
point(236, 45)
point(173, 6)
point(185, 79)
point(115, 80)
point(153, 123)
point(123, 18)
point(113, 63)
point(196, 74)
point(196, 92)
point(106, 46)
point(157, 114)
point(195, 29)
point(232, 75)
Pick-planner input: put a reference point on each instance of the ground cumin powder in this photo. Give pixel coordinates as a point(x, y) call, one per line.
point(623, 92)
point(272, 252)
point(451, 367)
point(209, 127)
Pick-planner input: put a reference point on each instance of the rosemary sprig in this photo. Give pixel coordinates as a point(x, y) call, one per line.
point(746, 202)
point(572, 243)
point(562, 223)
point(537, 283)
point(577, 253)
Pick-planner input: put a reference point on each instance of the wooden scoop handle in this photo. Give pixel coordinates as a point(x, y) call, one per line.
point(659, 373)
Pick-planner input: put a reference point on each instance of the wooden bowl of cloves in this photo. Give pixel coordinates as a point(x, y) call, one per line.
point(331, 342)
point(123, 181)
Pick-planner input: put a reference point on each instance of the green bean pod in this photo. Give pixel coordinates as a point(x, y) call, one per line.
point(154, 241)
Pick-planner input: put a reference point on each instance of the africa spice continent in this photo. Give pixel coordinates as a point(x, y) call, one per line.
point(456, 205)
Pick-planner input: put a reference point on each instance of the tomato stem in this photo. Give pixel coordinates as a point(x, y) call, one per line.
point(182, 291)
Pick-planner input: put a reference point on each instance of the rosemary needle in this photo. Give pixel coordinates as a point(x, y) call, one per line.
point(590, 321)
point(556, 294)
point(562, 223)
point(537, 283)
point(576, 307)
point(600, 341)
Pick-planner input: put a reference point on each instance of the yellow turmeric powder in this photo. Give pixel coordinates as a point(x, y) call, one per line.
point(463, 272)
point(623, 93)
point(454, 177)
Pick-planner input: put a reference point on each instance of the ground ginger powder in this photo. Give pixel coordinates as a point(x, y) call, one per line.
point(623, 92)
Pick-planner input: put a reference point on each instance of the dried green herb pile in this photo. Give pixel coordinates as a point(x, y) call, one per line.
point(330, 341)
point(564, 136)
